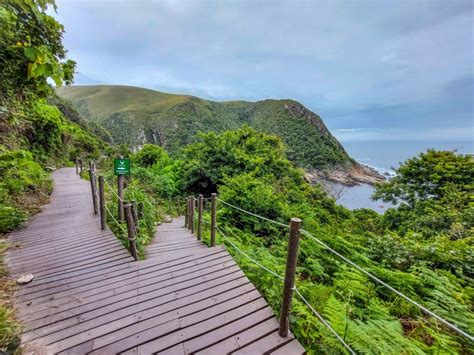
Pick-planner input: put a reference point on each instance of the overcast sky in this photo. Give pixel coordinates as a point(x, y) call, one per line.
point(399, 69)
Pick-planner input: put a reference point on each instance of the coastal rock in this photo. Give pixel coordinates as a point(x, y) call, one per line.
point(352, 176)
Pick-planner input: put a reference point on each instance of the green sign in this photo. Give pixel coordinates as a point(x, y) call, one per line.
point(122, 166)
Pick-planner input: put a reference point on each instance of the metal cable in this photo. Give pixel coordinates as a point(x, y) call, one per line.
point(320, 317)
point(295, 289)
point(253, 214)
point(426, 310)
point(248, 256)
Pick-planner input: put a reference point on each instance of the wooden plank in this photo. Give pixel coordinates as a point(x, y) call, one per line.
point(137, 322)
point(245, 337)
point(200, 326)
point(293, 347)
point(165, 281)
point(266, 344)
point(227, 330)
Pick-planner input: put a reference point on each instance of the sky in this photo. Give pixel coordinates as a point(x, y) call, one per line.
point(371, 69)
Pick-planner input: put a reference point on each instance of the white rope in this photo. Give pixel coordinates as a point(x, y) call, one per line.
point(111, 189)
point(253, 214)
point(426, 310)
point(320, 317)
point(248, 256)
point(111, 215)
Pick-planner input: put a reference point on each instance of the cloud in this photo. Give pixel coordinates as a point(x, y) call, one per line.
point(357, 63)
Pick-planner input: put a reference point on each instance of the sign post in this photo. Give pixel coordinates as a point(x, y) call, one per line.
point(121, 168)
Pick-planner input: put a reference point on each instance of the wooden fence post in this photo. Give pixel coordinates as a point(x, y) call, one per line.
point(135, 216)
point(290, 271)
point(103, 224)
point(120, 199)
point(186, 213)
point(81, 166)
point(199, 226)
point(191, 214)
point(77, 165)
point(94, 190)
point(132, 231)
point(213, 218)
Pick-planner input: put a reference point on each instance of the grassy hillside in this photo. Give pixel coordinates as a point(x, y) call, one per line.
point(135, 116)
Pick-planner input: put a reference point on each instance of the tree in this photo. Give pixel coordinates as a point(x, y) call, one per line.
point(31, 51)
point(214, 156)
point(150, 155)
point(428, 176)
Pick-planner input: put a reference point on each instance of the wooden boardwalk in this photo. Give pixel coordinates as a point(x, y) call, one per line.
point(89, 296)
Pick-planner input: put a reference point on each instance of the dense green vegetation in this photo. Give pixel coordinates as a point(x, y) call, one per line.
point(406, 247)
point(135, 116)
point(38, 130)
point(424, 247)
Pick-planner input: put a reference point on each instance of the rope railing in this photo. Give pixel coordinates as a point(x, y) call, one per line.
point(115, 220)
point(376, 279)
point(248, 256)
point(113, 192)
point(320, 317)
point(294, 230)
point(253, 214)
point(373, 277)
point(305, 301)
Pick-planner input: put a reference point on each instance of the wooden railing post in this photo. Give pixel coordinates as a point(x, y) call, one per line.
point(120, 199)
point(77, 165)
point(93, 181)
point(81, 166)
point(290, 272)
point(213, 218)
point(103, 224)
point(191, 214)
point(132, 230)
point(199, 226)
point(135, 216)
point(186, 213)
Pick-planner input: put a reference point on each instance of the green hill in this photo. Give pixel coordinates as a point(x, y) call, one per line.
point(135, 116)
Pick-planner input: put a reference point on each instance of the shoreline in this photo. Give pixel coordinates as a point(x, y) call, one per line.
point(354, 175)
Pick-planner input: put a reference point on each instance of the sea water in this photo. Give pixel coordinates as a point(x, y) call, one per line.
point(385, 156)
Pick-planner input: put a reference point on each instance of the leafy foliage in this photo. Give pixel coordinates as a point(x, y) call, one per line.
point(429, 176)
point(31, 50)
point(36, 136)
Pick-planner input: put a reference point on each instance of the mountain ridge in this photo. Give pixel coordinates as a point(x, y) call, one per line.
point(135, 116)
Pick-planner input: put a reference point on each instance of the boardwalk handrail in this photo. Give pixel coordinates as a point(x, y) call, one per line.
point(129, 213)
point(373, 277)
point(290, 273)
point(295, 289)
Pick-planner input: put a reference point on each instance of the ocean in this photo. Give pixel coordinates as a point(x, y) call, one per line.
point(384, 156)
